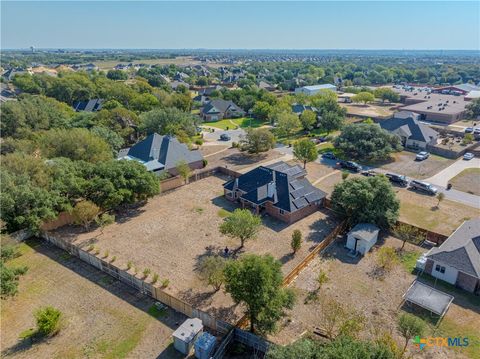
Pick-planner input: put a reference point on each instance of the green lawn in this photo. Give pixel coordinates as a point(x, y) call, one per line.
point(233, 123)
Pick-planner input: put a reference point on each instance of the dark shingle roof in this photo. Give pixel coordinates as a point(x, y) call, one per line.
point(290, 191)
point(88, 106)
point(412, 128)
point(462, 249)
point(165, 150)
point(219, 105)
point(298, 108)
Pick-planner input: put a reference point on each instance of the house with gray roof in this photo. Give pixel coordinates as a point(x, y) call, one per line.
point(217, 109)
point(279, 190)
point(92, 105)
point(160, 154)
point(457, 260)
point(413, 133)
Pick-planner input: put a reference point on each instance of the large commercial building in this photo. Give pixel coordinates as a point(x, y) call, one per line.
point(312, 90)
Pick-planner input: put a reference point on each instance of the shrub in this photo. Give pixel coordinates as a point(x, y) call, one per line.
point(84, 213)
point(322, 278)
point(199, 141)
point(155, 278)
point(114, 258)
point(146, 272)
point(165, 283)
point(205, 162)
point(48, 320)
point(129, 265)
point(296, 243)
point(97, 251)
point(106, 254)
point(386, 258)
point(91, 247)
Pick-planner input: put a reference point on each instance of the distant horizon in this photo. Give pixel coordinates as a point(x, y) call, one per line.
point(242, 25)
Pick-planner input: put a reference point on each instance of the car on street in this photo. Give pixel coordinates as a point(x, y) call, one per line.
point(476, 131)
point(423, 186)
point(468, 156)
point(399, 179)
point(225, 137)
point(422, 156)
point(329, 155)
point(350, 165)
point(469, 130)
point(369, 173)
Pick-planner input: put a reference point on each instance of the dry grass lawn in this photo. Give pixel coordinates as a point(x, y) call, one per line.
point(172, 233)
point(352, 284)
point(103, 318)
point(467, 181)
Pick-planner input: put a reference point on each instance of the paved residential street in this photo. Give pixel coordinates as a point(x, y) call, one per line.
point(214, 137)
point(443, 177)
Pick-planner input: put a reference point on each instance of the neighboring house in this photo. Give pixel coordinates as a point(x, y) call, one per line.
point(207, 91)
point(298, 109)
point(362, 237)
point(201, 99)
point(175, 84)
point(457, 260)
point(217, 109)
point(266, 86)
point(89, 105)
point(279, 189)
point(160, 154)
point(413, 134)
point(10, 74)
point(312, 90)
point(180, 76)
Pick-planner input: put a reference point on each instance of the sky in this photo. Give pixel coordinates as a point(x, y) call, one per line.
point(431, 25)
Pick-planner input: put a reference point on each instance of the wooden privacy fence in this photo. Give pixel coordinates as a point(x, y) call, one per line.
point(244, 321)
point(153, 290)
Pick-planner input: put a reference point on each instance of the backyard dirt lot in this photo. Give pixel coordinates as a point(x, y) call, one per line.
point(173, 232)
point(352, 284)
point(236, 160)
point(374, 111)
point(103, 318)
point(467, 181)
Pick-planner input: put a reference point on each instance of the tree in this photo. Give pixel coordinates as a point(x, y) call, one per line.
point(168, 121)
point(366, 200)
point(296, 242)
point(75, 143)
point(241, 224)
point(405, 233)
point(473, 109)
point(386, 258)
point(386, 94)
point(212, 271)
point(256, 282)
point(9, 277)
point(305, 151)
point(288, 123)
point(331, 121)
point(345, 175)
point(117, 75)
point(48, 320)
point(85, 213)
point(468, 138)
point(183, 170)
point(308, 119)
point(367, 142)
point(258, 140)
point(364, 97)
point(440, 198)
point(410, 326)
point(115, 141)
point(262, 110)
point(339, 320)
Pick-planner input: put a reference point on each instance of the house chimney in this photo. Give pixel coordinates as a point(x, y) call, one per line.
point(235, 183)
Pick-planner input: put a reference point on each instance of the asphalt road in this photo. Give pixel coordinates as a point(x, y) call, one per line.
point(452, 194)
point(235, 136)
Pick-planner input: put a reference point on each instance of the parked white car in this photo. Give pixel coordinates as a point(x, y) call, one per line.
point(468, 156)
point(422, 156)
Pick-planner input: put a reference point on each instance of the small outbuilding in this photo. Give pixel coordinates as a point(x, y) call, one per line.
point(186, 334)
point(362, 237)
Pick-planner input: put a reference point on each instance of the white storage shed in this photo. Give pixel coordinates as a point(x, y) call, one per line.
point(186, 334)
point(362, 237)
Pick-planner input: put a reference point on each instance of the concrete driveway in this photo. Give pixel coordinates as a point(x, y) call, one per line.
point(214, 137)
point(443, 177)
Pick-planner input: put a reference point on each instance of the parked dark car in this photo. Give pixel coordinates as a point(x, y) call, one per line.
point(423, 186)
point(225, 137)
point(399, 179)
point(329, 155)
point(350, 165)
point(369, 173)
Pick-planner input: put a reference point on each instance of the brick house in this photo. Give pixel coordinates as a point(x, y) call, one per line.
point(160, 154)
point(457, 260)
point(279, 189)
point(218, 109)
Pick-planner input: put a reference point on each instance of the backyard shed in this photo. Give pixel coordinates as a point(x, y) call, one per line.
point(362, 237)
point(186, 334)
